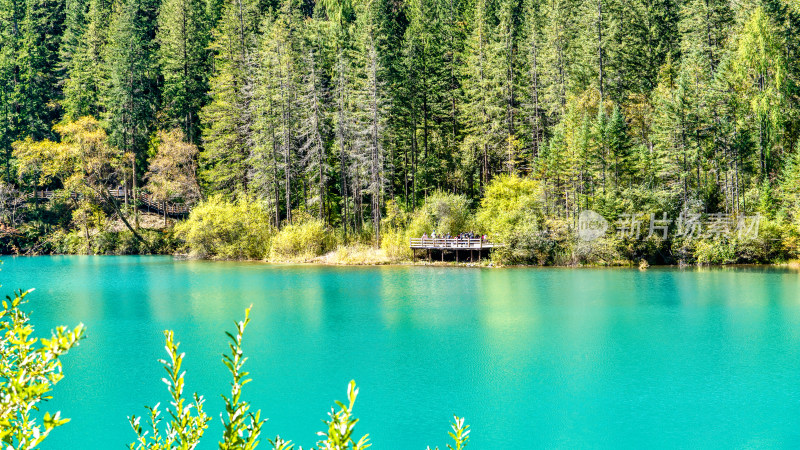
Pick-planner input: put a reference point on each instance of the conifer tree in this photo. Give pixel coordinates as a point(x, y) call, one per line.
point(619, 147)
point(85, 69)
point(12, 14)
point(481, 105)
point(75, 21)
point(533, 123)
point(371, 105)
point(426, 82)
point(314, 126)
point(183, 37)
point(284, 37)
point(38, 67)
point(505, 50)
point(131, 97)
point(263, 160)
point(454, 34)
point(648, 36)
point(227, 124)
point(558, 55)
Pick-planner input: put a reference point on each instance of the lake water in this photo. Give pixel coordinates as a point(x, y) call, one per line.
point(533, 358)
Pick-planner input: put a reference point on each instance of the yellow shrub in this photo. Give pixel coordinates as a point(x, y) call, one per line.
point(305, 239)
point(220, 229)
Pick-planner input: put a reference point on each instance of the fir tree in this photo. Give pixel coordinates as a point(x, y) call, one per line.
point(314, 127)
point(86, 68)
point(183, 37)
point(12, 14)
point(227, 125)
point(131, 97)
point(372, 106)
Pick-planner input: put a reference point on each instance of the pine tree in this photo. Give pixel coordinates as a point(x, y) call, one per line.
point(284, 36)
point(12, 14)
point(454, 34)
point(38, 66)
point(533, 125)
point(226, 120)
point(314, 123)
point(425, 83)
point(558, 55)
point(263, 160)
point(85, 70)
point(506, 64)
point(183, 37)
point(619, 147)
point(481, 106)
point(675, 127)
point(371, 105)
point(648, 36)
point(75, 22)
point(131, 98)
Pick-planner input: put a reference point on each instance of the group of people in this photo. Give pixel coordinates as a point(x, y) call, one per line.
point(460, 236)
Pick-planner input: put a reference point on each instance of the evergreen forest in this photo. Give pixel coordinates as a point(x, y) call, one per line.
point(371, 121)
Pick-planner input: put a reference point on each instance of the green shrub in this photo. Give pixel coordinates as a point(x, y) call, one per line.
point(394, 234)
point(304, 239)
point(357, 254)
point(394, 243)
point(106, 243)
point(716, 251)
point(602, 251)
point(511, 213)
point(69, 242)
point(221, 229)
point(442, 212)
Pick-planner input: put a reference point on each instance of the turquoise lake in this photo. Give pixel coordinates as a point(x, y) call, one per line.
point(533, 358)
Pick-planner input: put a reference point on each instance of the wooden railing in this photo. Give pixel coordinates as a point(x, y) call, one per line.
point(454, 243)
point(119, 193)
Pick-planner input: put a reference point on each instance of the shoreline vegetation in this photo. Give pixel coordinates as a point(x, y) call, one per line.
point(511, 212)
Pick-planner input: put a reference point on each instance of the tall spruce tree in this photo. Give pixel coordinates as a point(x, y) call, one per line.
point(263, 161)
point(12, 14)
point(481, 106)
point(38, 66)
point(183, 38)
point(227, 124)
point(314, 127)
point(426, 83)
point(85, 68)
point(371, 109)
point(533, 124)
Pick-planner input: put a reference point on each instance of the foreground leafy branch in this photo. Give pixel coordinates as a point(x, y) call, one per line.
point(460, 434)
point(29, 369)
point(184, 429)
point(242, 426)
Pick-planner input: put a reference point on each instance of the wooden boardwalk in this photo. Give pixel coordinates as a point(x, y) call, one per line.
point(171, 209)
point(458, 247)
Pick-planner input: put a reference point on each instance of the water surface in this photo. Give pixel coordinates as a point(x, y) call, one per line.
point(534, 358)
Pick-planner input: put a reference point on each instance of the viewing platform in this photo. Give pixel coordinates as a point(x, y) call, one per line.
point(460, 248)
